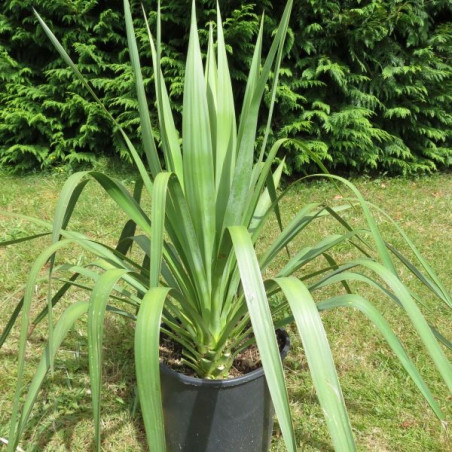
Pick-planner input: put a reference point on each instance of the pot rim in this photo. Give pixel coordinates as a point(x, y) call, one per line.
point(226, 382)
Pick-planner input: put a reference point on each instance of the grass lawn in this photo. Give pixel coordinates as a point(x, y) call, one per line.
point(386, 411)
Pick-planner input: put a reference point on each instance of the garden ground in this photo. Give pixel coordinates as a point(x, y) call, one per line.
point(386, 411)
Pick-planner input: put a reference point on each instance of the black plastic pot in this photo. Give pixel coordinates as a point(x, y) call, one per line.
point(218, 415)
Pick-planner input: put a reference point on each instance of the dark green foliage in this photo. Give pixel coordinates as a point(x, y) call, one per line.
point(366, 85)
point(372, 88)
point(46, 117)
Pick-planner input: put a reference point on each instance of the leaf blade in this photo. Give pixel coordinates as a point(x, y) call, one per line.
point(147, 338)
point(197, 145)
point(320, 361)
point(98, 303)
point(263, 328)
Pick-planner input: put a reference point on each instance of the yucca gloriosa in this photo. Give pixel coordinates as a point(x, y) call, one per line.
point(199, 274)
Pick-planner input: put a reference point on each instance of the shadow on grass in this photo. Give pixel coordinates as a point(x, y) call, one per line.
point(62, 415)
point(73, 415)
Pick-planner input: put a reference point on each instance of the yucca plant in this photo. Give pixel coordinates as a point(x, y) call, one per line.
point(197, 276)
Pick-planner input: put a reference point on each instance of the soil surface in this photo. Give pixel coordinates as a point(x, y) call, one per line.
point(245, 362)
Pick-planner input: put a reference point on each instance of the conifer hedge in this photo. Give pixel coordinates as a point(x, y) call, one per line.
point(366, 85)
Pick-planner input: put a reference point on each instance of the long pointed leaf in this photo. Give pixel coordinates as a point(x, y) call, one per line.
point(147, 339)
point(436, 284)
point(145, 120)
point(98, 304)
point(62, 327)
point(158, 222)
point(376, 234)
point(263, 328)
point(25, 323)
point(320, 361)
point(247, 130)
point(402, 296)
point(226, 131)
point(128, 231)
point(197, 145)
point(358, 302)
point(168, 131)
point(67, 59)
point(122, 197)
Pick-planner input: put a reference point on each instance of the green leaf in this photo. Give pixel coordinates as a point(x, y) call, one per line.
point(67, 200)
point(25, 323)
point(376, 235)
point(301, 220)
point(248, 122)
point(226, 131)
point(23, 239)
point(263, 328)
point(266, 199)
point(358, 302)
point(67, 59)
point(123, 199)
point(320, 361)
point(168, 131)
point(158, 222)
point(62, 327)
point(98, 304)
point(435, 285)
point(125, 240)
point(402, 296)
point(198, 156)
point(147, 340)
point(145, 120)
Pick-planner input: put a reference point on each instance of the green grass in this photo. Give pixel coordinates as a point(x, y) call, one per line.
point(385, 409)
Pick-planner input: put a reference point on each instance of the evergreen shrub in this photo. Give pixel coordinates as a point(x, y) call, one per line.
point(366, 85)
